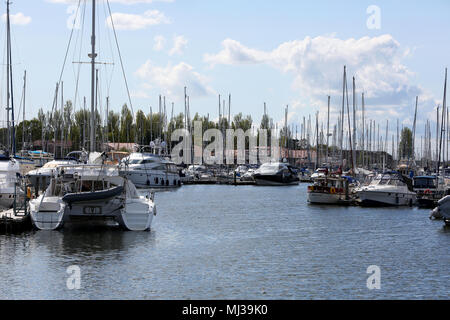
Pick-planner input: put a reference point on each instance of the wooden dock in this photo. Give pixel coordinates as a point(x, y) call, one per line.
point(17, 221)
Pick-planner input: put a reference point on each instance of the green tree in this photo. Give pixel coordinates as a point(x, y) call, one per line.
point(406, 145)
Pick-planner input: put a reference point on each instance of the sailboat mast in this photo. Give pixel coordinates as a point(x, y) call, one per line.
point(9, 85)
point(442, 122)
point(23, 120)
point(92, 56)
point(328, 128)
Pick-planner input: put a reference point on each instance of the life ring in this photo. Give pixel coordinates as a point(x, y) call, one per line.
point(428, 191)
point(332, 190)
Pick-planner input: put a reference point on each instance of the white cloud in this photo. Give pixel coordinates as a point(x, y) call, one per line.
point(18, 19)
point(317, 66)
point(139, 94)
point(160, 42)
point(172, 79)
point(179, 43)
point(127, 21)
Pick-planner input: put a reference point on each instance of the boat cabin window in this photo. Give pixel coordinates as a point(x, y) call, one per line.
point(270, 167)
point(172, 168)
point(424, 183)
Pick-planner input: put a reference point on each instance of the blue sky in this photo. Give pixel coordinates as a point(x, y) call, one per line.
point(279, 52)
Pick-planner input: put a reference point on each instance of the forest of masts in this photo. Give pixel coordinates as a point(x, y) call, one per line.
point(353, 141)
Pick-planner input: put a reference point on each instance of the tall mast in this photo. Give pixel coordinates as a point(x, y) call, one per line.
point(354, 123)
point(442, 122)
point(363, 120)
point(63, 119)
point(8, 140)
point(92, 55)
point(328, 128)
point(342, 118)
point(23, 120)
point(414, 131)
point(9, 86)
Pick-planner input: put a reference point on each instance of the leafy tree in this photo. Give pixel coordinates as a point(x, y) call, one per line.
point(406, 147)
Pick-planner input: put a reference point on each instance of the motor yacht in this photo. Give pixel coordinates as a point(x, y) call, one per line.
point(276, 174)
point(150, 171)
point(387, 189)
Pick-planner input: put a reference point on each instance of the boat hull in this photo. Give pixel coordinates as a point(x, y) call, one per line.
point(141, 179)
point(274, 180)
point(383, 199)
point(325, 198)
point(48, 214)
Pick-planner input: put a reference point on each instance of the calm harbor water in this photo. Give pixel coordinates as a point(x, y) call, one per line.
point(225, 242)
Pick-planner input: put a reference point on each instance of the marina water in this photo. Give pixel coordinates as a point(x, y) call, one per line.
point(246, 242)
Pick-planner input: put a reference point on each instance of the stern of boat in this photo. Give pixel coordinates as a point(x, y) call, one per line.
point(137, 214)
point(47, 214)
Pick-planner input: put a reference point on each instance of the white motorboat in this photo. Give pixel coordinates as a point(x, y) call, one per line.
point(38, 157)
point(387, 189)
point(442, 211)
point(150, 171)
point(40, 178)
point(91, 194)
point(9, 173)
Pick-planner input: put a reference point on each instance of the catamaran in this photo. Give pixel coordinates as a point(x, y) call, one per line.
point(95, 192)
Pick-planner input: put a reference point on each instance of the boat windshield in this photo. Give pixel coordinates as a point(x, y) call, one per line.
point(270, 168)
point(386, 179)
point(424, 183)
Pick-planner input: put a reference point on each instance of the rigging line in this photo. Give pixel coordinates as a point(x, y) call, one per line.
point(75, 68)
point(79, 58)
point(4, 74)
point(70, 41)
point(120, 58)
point(108, 35)
point(68, 45)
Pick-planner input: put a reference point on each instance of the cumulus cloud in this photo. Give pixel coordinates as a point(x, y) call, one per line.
point(18, 19)
point(127, 21)
point(160, 41)
point(179, 43)
point(317, 66)
point(139, 94)
point(173, 78)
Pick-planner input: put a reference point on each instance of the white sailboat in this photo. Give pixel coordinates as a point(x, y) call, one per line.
point(9, 172)
point(10, 168)
point(92, 193)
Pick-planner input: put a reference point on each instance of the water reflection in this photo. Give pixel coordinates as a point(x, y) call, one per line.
point(92, 242)
point(228, 242)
